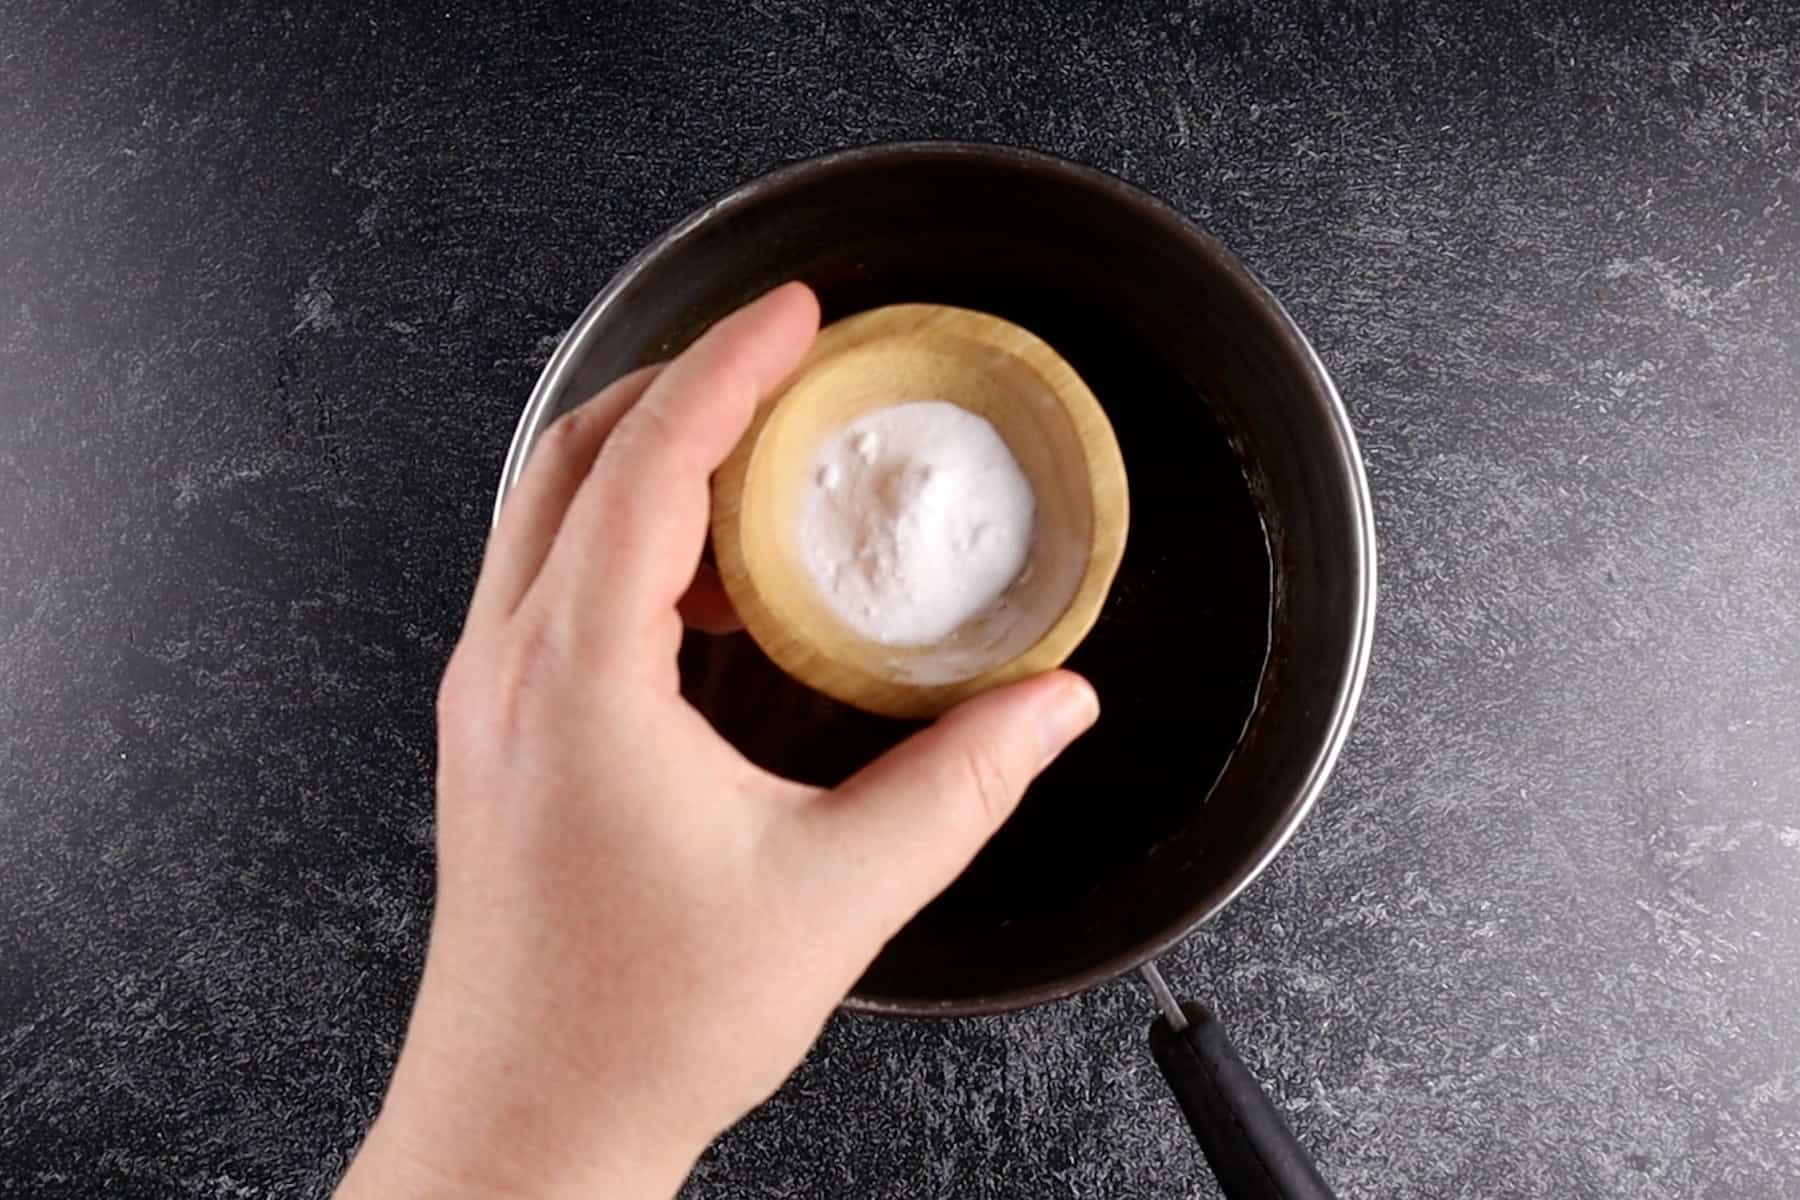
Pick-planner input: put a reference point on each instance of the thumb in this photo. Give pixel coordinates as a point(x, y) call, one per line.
point(899, 831)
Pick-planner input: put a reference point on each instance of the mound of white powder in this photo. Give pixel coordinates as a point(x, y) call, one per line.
point(916, 520)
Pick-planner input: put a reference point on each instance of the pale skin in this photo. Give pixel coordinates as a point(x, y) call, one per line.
point(638, 933)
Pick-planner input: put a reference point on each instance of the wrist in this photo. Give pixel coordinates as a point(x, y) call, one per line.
point(400, 1159)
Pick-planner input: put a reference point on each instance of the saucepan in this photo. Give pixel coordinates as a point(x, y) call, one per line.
point(1231, 653)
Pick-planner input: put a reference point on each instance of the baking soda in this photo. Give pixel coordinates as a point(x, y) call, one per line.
point(917, 519)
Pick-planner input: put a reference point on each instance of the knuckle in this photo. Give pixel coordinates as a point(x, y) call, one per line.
point(652, 425)
point(529, 658)
point(568, 429)
point(987, 783)
point(654, 428)
point(491, 689)
point(454, 694)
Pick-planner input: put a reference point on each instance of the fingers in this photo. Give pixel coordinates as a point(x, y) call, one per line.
point(629, 546)
point(901, 830)
point(534, 509)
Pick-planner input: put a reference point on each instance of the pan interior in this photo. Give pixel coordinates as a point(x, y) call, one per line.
point(1230, 626)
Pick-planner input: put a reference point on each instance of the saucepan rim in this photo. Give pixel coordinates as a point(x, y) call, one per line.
point(1339, 440)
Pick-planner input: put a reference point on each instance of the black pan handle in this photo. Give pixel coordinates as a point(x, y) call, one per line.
point(1249, 1147)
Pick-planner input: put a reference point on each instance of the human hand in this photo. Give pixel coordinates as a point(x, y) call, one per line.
point(638, 933)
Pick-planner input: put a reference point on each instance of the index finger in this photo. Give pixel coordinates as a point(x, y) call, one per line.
point(638, 521)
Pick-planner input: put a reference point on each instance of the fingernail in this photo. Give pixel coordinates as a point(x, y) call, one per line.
point(1067, 715)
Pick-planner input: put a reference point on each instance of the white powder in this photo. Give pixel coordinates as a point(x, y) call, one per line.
point(916, 520)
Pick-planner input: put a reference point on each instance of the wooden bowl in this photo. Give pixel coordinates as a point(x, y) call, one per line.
point(1048, 419)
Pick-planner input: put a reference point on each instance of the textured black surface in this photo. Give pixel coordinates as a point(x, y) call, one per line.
point(273, 287)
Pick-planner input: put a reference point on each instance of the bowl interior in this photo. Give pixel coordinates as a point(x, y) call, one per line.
point(872, 361)
point(1230, 652)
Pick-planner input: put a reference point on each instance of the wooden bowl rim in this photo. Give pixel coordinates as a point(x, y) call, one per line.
point(808, 660)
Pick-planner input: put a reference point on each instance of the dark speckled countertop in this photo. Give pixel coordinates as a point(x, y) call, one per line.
point(273, 287)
